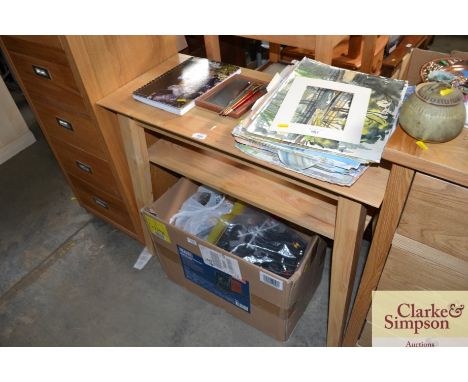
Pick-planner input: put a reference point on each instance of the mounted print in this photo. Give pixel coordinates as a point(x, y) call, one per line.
point(324, 109)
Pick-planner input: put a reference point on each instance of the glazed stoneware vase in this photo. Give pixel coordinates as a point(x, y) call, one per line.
point(434, 113)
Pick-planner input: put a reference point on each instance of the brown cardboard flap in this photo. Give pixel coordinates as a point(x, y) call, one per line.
point(418, 58)
point(459, 54)
point(169, 203)
point(303, 291)
point(312, 272)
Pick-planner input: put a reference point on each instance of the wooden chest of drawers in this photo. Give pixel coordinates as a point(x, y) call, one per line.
point(101, 203)
point(62, 78)
point(436, 215)
point(86, 167)
point(428, 245)
point(48, 81)
point(76, 129)
point(430, 248)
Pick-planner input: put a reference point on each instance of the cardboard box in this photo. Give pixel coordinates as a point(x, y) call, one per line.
point(261, 298)
point(419, 57)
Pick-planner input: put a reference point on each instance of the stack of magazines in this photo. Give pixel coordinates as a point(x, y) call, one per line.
point(324, 122)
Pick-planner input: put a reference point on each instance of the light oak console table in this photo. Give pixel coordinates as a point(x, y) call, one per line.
point(161, 146)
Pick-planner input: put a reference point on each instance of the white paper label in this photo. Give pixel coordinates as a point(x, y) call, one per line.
point(143, 259)
point(199, 136)
point(191, 241)
point(242, 306)
point(274, 282)
point(219, 261)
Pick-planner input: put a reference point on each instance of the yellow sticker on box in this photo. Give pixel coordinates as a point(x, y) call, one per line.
point(157, 228)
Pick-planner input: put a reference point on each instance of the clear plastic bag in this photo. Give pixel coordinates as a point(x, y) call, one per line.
point(201, 212)
point(245, 231)
point(259, 238)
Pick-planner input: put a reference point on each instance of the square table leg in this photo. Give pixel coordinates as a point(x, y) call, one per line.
point(349, 228)
point(399, 184)
point(136, 151)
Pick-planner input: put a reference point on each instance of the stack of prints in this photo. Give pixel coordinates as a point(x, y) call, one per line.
point(321, 121)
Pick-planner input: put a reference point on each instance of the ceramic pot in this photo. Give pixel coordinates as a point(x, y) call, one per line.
point(432, 115)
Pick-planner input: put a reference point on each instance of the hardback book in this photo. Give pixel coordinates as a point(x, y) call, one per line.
point(176, 90)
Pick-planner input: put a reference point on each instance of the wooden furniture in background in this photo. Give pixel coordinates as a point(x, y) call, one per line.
point(362, 53)
point(14, 134)
point(323, 45)
point(421, 238)
point(62, 77)
point(160, 144)
point(394, 64)
point(213, 52)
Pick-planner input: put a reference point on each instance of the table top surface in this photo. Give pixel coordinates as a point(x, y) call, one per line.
point(448, 161)
point(369, 189)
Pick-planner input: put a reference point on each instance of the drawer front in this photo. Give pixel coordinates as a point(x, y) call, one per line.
point(436, 214)
point(85, 166)
point(49, 82)
point(415, 266)
point(47, 48)
point(102, 203)
point(73, 128)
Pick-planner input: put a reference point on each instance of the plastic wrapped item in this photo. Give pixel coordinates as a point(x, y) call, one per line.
point(260, 239)
point(201, 212)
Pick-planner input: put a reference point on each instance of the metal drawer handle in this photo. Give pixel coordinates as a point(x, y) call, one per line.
point(65, 124)
point(84, 167)
point(41, 72)
point(101, 203)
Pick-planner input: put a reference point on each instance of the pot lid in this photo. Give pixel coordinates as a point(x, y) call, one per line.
point(439, 94)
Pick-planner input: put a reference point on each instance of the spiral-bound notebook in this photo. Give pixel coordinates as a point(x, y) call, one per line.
point(176, 90)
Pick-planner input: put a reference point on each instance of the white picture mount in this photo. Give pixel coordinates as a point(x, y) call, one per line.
point(352, 131)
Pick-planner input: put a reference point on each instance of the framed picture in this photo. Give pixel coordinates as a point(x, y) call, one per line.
point(325, 109)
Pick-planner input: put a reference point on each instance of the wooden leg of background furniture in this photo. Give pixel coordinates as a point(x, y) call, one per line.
point(274, 55)
point(349, 229)
point(398, 186)
point(324, 48)
point(368, 49)
point(213, 51)
point(136, 150)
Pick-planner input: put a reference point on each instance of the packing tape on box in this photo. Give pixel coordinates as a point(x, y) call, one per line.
point(273, 309)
